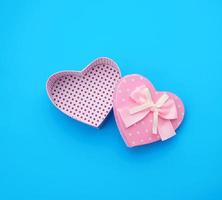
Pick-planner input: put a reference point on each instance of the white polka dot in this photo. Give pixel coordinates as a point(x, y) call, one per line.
point(120, 91)
point(133, 142)
point(133, 80)
point(151, 121)
point(141, 78)
point(149, 138)
point(137, 132)
point(141, 140)
point(143, 122)
point(130, 134)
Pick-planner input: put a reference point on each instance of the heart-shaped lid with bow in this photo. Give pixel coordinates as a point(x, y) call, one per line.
point(144, 115)
point(86, 95)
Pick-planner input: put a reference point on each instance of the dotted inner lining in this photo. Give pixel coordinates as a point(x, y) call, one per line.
point(87, 97)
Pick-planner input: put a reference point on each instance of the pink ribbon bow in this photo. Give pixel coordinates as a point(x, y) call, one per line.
point(164, 110)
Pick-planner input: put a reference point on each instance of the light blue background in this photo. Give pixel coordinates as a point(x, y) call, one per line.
point(46, 155)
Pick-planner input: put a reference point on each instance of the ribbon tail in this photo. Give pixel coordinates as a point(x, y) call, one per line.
point(165, 129)
point(155, 122)
point(130, 119)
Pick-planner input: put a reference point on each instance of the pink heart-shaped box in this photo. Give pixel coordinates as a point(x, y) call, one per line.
point(85, 95)
point(140, 133)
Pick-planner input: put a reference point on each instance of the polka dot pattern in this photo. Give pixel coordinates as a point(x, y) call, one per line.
point(86, 96)
point(141, 132)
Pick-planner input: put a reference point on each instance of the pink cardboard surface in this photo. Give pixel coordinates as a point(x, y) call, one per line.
point(143, 114)
point(85, 95)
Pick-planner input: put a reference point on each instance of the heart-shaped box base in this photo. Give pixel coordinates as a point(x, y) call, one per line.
point(85, 95)
point(141, 132)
